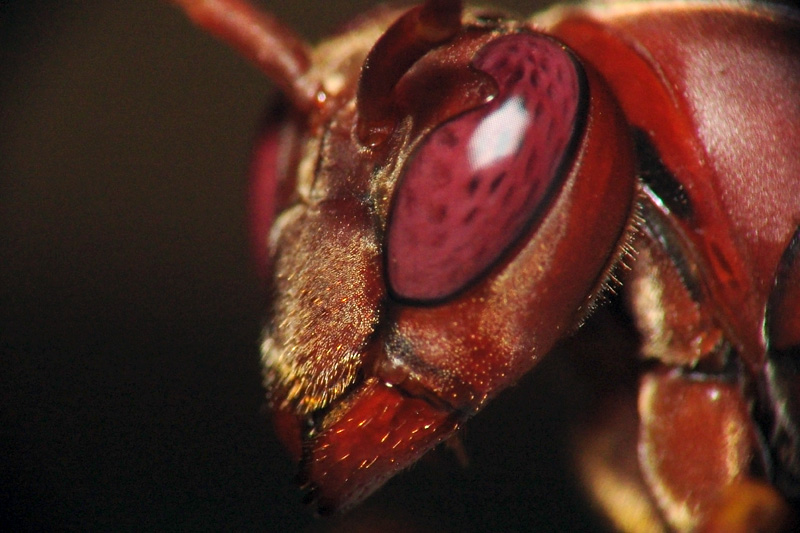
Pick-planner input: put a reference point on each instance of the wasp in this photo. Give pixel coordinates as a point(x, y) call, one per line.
point(451, 191)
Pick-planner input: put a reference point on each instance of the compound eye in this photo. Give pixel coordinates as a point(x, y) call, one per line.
point(271, 182)
point(477, 182)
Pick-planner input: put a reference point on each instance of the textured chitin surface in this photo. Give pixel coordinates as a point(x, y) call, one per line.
point(474, 185)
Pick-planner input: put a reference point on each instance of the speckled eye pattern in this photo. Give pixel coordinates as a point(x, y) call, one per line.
point(475, 184)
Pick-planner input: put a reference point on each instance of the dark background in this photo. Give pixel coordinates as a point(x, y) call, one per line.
point(130, 389)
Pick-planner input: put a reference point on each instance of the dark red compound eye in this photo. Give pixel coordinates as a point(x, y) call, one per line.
point(478, 181)
point(271, 182)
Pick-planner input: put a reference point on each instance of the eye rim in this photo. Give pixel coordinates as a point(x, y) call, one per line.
point(561, 175)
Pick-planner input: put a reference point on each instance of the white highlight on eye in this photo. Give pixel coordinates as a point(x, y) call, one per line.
point(499, 135)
